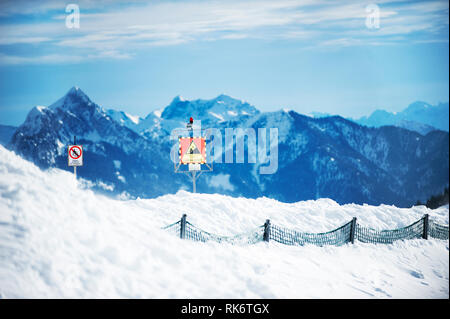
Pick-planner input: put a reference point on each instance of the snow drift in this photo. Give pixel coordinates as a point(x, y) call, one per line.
point(59, 239)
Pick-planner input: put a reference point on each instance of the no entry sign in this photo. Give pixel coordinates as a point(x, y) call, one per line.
point(75, 155)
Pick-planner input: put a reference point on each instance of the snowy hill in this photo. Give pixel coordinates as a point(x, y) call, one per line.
point(325, 157)
point(59, 239)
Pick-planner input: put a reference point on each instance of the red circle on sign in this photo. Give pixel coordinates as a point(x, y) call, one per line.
point(70, 152)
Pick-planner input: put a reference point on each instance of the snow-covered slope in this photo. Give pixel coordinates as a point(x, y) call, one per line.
point(59, 239)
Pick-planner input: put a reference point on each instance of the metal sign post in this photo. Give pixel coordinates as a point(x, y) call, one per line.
point(75, 168)
point(193, 169)
point(192, 153)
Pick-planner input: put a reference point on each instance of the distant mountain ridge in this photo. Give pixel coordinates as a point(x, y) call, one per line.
point(324, 157)
point(418, 116)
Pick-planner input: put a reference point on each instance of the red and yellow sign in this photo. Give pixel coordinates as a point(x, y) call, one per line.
point(192, 150)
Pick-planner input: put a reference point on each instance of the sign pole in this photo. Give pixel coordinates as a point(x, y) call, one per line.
point(75, 168)
point(193, 179)
point(191, 135)
point(192, 151)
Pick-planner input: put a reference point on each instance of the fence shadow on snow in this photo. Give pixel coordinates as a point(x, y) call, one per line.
point(347, 233)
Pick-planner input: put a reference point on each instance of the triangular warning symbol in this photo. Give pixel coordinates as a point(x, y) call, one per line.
point(193, 149)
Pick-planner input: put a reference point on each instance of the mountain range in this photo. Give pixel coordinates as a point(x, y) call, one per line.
point(419, 116)
point(317, 157)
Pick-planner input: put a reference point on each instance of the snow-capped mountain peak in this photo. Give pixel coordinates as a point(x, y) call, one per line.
point(227, 99)
point(75, 97)
point(178, 98)
point(223, 108)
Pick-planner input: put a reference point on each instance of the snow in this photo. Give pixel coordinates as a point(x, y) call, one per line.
point(135, 119)
point(59, 239)
point(158, 113)
point(218, 116)
point(60, 146)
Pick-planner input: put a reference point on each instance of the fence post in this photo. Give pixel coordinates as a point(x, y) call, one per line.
point(183, 227)
point(266, 230)
point(425, 227)
point(353, 230)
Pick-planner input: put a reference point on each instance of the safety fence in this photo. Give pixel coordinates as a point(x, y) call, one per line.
point(347, 233)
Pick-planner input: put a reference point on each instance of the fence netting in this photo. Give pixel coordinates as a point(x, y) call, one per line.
point(287, 236)
point(250, 237)
point(369, 235)
point(174, 228)
point(438, 231)
point(337, 237)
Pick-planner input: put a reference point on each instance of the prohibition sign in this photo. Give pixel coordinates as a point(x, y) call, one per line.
point(75, 152)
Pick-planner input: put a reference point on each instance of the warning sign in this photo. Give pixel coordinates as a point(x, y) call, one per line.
point(192, 150)
point(75, 155)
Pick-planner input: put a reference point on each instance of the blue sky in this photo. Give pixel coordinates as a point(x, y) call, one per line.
point(302, 55)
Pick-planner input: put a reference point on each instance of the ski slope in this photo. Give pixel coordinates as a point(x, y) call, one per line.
point(59, 239)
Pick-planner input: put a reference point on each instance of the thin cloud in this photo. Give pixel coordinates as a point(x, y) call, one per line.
point(122, 29)
point(60, 58)
point(17, 40)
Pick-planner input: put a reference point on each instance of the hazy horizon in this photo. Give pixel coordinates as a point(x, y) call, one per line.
point(201, 98)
